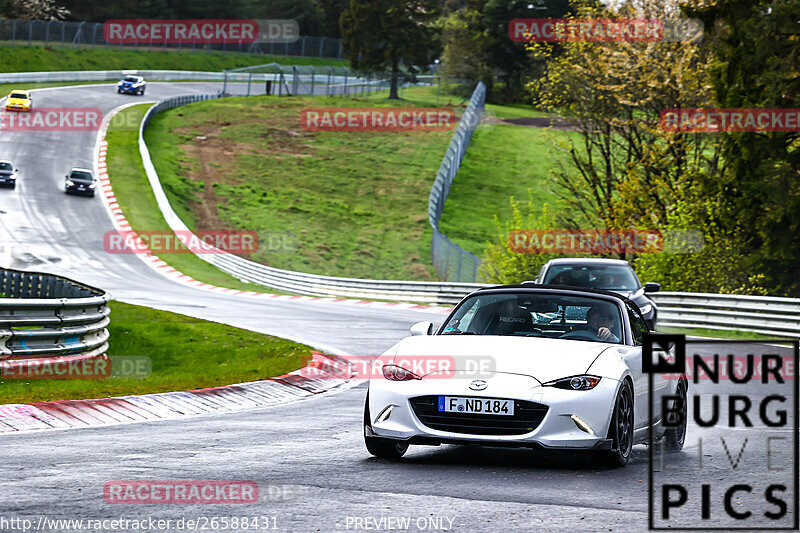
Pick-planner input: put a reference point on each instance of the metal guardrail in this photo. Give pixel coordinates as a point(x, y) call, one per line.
point(44, 315)
point(452, 262)
point(767, 315)
point(17, 32)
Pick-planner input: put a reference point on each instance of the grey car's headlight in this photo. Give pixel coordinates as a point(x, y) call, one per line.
point(646, 308)
point(575, 383)
point(70, 183)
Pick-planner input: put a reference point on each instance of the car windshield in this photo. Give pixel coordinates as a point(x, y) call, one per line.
point(80, 175)
point(5, 166)
point(608, 277)
point(21, 96)
point(130, 79)
point(536, 314)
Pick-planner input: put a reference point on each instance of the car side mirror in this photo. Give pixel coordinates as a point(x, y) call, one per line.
point(652, 287)
point(421, 328)
point(67, 176)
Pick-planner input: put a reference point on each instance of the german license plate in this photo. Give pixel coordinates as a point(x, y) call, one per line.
point(483, 406)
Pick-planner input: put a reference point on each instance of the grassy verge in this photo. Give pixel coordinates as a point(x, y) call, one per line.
point(356, 202)
point(501, 161)
point(186, 353)
point(39, 58)
point(352, 203)
point(715, 333)
point(138, 203)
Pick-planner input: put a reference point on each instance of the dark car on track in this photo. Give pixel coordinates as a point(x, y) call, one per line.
point(8, 174)
point(607, 274)
point(80, 181)
point(131, 85)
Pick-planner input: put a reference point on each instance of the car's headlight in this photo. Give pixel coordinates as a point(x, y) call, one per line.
point(398, 373)
point(70, 183)
point(119, 83)
point(575, 383)
point(92, 185)
point(646, 308)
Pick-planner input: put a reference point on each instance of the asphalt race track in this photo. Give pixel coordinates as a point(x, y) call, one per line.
point(307, 457)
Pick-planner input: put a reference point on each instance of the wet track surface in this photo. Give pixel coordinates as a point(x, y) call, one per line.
point(307, 457)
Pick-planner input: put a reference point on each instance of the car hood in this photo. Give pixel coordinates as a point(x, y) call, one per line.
point(6, 172)
point(543, 359)
point(81, 182)
point(17, 101)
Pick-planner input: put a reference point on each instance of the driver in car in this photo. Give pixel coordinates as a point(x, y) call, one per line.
point(602, 323)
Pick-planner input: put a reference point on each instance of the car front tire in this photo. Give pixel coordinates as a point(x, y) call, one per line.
point(621, 429)
point(675, 437)
point(379, 447)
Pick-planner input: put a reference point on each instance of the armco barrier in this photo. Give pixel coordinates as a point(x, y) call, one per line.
point(44, 315)
point(767, 315)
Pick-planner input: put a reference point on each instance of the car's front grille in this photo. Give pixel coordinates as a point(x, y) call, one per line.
point(527, 417)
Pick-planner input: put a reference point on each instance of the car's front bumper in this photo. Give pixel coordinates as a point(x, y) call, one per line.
point(74, 189)
point(20, 108)
point(129, 89)
point(556, 430)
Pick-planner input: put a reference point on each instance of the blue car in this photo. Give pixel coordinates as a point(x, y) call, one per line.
point(131, 85)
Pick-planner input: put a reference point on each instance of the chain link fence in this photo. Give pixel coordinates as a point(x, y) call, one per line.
point(307, 80)
point(56, 33)
point(453, 263)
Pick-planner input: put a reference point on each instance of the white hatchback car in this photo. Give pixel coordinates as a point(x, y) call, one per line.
point(524, 365)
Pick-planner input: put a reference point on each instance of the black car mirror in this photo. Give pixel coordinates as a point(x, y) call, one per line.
point(652, 287)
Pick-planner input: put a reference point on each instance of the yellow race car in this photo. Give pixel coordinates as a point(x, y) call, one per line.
point(19, 101)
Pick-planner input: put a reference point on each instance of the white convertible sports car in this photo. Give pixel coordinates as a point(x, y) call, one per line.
point(523, 365)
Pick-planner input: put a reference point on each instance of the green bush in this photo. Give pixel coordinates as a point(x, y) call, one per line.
point(503, 265)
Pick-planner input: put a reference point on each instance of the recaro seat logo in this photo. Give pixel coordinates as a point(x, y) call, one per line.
point(52, 119)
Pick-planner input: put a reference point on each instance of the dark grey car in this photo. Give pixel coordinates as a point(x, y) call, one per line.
point(80, 181)
point(607, 274)
point(8, 174)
